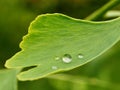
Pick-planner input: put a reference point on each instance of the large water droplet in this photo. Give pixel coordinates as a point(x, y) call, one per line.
point(54, 67)
point(67, 58)
point(80, 56)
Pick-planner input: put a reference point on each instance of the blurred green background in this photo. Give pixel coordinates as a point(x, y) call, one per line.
point(15, 17)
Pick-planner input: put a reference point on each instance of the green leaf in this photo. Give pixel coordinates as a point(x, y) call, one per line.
point(8, 80)
point(52, 36)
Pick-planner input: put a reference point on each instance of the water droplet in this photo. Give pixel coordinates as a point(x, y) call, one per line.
point(54, 67)
point(57, 58)
point(67, 58)
point(80, 56)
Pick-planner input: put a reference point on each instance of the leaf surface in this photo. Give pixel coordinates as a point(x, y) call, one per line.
point(52, 36)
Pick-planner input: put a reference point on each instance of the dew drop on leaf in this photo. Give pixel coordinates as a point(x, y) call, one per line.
point(54, 67)
point(80, 56)
point(67, 58)
point(57, 58)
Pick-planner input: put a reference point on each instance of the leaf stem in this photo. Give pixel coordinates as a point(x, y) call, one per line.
point(100, 12)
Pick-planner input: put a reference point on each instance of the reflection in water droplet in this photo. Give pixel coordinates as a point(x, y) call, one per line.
point(80, 56)
point(54, 67)
point(67, 58)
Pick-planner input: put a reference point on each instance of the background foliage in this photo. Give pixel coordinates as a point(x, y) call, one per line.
point(100, 74)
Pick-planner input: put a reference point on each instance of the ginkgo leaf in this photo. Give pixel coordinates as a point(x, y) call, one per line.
point(8, 80)
point(56, 42)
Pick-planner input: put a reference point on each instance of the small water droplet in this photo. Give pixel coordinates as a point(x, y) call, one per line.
point(54, 67)
point(80, 56)
point(57, 58)
point(67, 58)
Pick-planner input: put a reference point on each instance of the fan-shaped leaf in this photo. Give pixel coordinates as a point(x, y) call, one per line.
point(56, 42)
